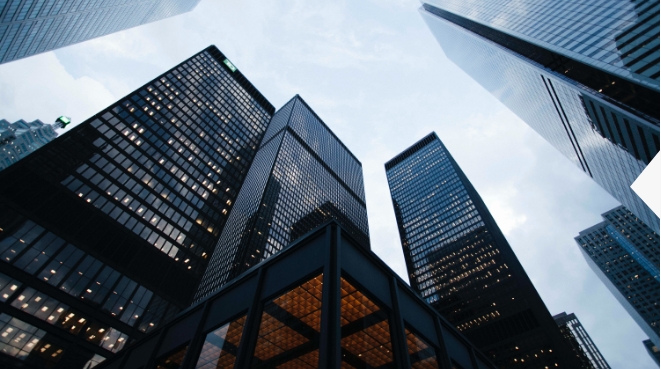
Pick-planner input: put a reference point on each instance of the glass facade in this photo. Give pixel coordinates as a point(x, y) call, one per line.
point(624, 253)
point(29, 27)
point(606, 124)
point(619, 37)
point(574, 333)
point(106, 231)
point(19, 139)
point(323, 302)
point(302, 176)
point(459, 261)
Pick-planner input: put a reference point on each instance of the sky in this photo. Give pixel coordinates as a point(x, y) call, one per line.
point(376, 76)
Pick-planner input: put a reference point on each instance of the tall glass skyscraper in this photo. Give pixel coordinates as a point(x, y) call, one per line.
point(579, 339)
point(302, 176)
point(459, 261)
point(624, 253)
point(29, 27)
point(584, 75)
point(19, 139)
point(106, 231)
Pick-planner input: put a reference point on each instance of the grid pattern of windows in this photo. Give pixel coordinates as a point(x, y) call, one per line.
point(289, 329)
point(637, 234)
point(29, 27)
point(584, 125)
point(19, 139)
point(130, 206)
point(221, 346)
point(297, 182)
point(621, 37)
point(573, 331)
point(62, 265)
point(459, 262)
point(172, 156)
point(27, 343)
point(625, 255)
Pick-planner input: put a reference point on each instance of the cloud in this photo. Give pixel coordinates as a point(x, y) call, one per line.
point(501, 209)
point(39, 87)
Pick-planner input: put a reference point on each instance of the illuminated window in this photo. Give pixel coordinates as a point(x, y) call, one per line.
point(22, 340)
point(289, 329)
point(7, 287)
point(221, 345)
point(365, 331)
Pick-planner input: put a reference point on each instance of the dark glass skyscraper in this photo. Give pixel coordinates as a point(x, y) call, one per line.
point(29, 27)
point(301, 177)
point(106, 231)
point(584, 75)
point(624, 253)
point(579, 339)
point(460, 262)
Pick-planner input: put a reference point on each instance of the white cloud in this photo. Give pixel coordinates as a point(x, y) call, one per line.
point(500, 208)
point(39, 87)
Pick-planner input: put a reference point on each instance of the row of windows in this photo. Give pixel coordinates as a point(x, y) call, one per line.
point(32, 345)
point(157, 177)
point(297, 187)
point(286, 196)
point(63, 265)
point(47, 34)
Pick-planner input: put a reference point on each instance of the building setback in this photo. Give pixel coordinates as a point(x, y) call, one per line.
point(574, 333)
point(459, 261)
point(325, 301)
point(584, 75)
point(624, 253)
point(106, 231)
point(301, 177)
point(652, 350)
point(29, 27)
point(19, 139)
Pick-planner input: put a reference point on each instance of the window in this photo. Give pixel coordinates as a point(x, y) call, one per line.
point(365, 331)
point(421, 354)
point(289, 328)
point(172, 360)
point(22, 340)
point(221, 345)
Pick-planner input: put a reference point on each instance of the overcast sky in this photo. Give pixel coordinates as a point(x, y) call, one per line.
point(374, 73)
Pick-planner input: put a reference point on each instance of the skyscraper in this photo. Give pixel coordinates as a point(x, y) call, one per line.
point(323, 302)
point(19, 139)
point(301, 177)
point(624, 253)
point(459, 261)
point(29, 27)
point(584, 75)
point(106, 231)
point(584, 348)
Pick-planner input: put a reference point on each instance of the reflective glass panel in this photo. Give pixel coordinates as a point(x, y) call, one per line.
point(365, 331)
point(172, 360)
point(221, 345)
point(421, 354)
point(289, 329)
point(7, 287)
point(22, 341)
